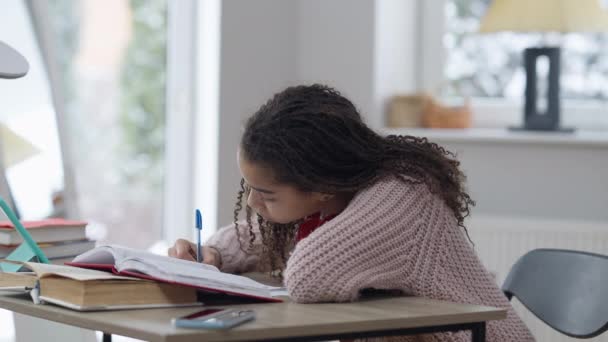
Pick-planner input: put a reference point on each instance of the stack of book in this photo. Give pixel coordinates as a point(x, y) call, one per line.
point(88, 290)
point(130, 262)
point(116, 277)
point(60, 240)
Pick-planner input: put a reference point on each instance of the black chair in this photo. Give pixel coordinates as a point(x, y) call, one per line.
point(566, 289)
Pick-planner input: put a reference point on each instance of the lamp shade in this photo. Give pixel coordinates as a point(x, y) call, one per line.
point(15, 147)
point(12, 63)
point(545, 16)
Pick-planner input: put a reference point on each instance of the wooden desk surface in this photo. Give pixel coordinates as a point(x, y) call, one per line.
point(275, 320)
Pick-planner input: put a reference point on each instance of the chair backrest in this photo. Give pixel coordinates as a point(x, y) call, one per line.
point(566, 289)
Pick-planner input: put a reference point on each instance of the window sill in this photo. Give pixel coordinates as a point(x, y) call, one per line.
point(504, 136)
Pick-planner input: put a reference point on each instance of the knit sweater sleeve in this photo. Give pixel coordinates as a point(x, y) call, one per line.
point(365, 246)
point(235, 259)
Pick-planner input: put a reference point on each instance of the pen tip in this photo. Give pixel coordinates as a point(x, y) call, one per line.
point(199, 219)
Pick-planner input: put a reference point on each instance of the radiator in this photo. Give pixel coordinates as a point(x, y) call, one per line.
point(500, 241)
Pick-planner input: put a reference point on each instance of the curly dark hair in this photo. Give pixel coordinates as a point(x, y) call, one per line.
point(313, 138)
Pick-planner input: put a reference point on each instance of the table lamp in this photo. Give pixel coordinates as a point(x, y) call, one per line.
point(15, 147)
point(14, 65)
point(544, 16)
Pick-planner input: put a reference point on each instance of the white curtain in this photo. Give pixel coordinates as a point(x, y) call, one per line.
point(39, 15)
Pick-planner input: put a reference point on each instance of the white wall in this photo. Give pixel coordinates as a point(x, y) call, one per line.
point(336, 47)
point(536, 180)
point(366, 49)
point(396, 53)
point(257, 59)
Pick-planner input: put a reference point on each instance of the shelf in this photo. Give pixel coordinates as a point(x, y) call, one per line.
point(503, 135)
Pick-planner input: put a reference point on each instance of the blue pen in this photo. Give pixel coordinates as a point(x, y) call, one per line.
point(199, 228)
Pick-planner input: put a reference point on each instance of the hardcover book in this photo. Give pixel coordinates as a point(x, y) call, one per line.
point(49, 230)
point(140, 264)
point(90, 290)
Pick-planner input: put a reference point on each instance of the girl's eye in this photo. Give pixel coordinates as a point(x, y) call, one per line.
point(268, 199)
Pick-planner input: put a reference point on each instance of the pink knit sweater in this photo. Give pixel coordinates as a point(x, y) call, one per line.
point(392, 235)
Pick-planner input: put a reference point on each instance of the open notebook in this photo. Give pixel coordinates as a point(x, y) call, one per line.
point(136, 263)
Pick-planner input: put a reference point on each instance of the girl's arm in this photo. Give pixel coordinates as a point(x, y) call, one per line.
point(373, 243)
point(233, 259)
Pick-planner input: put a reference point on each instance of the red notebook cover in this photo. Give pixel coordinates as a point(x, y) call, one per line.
point(112, 269)
point(48, 223)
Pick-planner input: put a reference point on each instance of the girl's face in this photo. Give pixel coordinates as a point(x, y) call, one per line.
point(277, 203)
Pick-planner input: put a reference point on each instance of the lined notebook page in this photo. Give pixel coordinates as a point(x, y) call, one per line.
point(172, 269)
point(75, 273)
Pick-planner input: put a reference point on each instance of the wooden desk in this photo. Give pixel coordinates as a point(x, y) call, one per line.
point(280, 321)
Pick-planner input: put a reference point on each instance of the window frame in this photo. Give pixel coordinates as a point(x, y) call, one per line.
point(490, 112)
point(179, 133)
point(192, 119)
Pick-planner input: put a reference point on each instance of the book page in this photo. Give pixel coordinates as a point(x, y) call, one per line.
point(192, 273)
point(115, 255)
point(99, 255)
point(172, 269)
point(150, 258)
point(179, 270)
point(17, 280)
point(76, 273)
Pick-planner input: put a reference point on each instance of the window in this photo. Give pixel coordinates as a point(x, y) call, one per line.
point(490, 65)
point(112, 57)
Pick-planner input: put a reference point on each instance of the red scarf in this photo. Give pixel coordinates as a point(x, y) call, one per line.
point(310, 224)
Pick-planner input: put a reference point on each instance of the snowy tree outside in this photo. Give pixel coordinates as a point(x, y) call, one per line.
point(491, 65)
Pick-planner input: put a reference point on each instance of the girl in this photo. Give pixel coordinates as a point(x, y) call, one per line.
point(337, 209)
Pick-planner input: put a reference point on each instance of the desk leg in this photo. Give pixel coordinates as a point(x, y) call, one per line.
point(106, 337)
point(478, 332)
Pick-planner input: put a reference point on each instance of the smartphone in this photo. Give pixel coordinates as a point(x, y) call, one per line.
point(214, 318)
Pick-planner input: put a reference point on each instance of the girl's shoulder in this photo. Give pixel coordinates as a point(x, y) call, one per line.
point(392, 192)
point(396, 186)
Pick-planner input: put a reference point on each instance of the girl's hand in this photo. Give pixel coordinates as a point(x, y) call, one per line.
point(186, 250)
